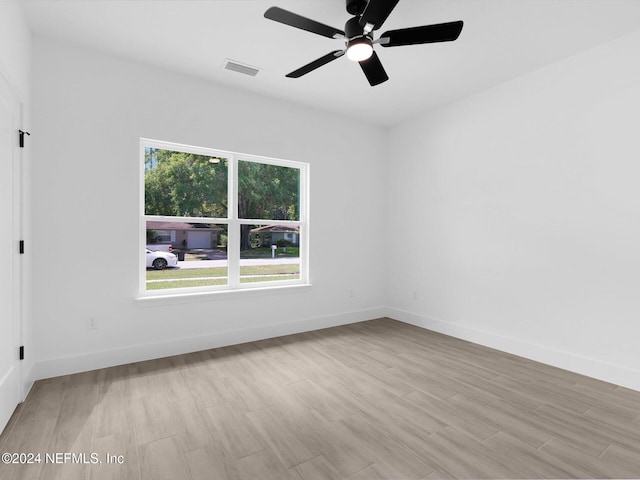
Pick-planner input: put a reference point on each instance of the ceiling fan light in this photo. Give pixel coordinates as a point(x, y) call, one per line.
point(359, 49)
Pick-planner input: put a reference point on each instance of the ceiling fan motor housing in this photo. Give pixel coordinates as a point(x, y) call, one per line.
point(353, 29)
point(356, 7)
point(359, 44)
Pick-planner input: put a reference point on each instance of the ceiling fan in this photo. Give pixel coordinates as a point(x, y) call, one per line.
point(368, 15)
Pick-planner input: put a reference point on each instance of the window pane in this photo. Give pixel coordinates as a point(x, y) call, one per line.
point(260, 262)
point(268, 192)
point(184, 184)
point(196, 257)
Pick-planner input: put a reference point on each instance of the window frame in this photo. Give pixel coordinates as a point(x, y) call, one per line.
point(232, 221)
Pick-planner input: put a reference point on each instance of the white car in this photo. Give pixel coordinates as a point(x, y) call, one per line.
point(161, 260)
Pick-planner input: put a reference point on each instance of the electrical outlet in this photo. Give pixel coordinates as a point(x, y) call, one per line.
point(414, 295)
point(92, 324)
point(351, 293)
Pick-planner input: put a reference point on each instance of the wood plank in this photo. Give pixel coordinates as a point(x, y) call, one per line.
point(211, 462)
point(592, 467)
point(33, 436)
point(621, 456)
point(590, 435)
point(115, 446)
point(524, 461)
point(153, 418)
point(234, 430)
point(44, 400)
point(281, 436)
point(339, 446)
point(163, 460)
point(395, 458)
point(452, 416)
point(503, 420)
point(264, 465)
point(372, 472)
point(318, 468)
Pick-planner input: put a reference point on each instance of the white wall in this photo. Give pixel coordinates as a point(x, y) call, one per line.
point(514, 213)
point(519, 214)
point(15, 48)
point(89, 112)
point(15, 67)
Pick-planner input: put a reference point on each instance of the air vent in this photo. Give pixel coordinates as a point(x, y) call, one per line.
point(241, 68)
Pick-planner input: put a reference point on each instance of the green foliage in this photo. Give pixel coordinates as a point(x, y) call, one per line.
point(223, 240)
point(268, 191)
point(189, 185)
point(151, 236)
point(184, 184)
point(265, 252)
point(202, 282)
point(284, 243)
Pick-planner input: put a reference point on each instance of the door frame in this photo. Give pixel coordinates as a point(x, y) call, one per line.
point(16, 232)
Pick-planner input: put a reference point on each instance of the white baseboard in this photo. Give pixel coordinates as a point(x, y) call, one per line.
point(590, 367)
point(136, 353)
point(26, 388)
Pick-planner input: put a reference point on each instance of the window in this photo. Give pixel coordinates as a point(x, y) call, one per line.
point(164, 236)
point(233, 221)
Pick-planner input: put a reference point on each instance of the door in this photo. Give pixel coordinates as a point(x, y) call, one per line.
point(10, 275)
point(198, 239)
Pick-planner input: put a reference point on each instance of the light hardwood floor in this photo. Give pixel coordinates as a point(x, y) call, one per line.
point(373, 400)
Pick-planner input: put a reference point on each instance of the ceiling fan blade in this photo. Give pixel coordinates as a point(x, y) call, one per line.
point(377, 11)
point(441, 32)
point(373, 70)
point(294, 20)
point(329, 57)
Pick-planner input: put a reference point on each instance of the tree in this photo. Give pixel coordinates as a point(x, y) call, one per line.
point(184, 184)
point(189, 185)
point(266, 192)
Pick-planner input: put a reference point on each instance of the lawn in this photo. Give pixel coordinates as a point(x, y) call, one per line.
point(171, 273)
point(199, 277)
point(265, 252)
point(202, 282)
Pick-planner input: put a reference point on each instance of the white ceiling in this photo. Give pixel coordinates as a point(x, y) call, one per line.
point(501, 39)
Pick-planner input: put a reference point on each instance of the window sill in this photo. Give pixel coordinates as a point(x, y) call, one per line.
point(190, 297)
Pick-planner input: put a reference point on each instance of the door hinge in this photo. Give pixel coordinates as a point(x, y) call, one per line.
point(21, 352)
point(22, 134)
point(21, 247)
